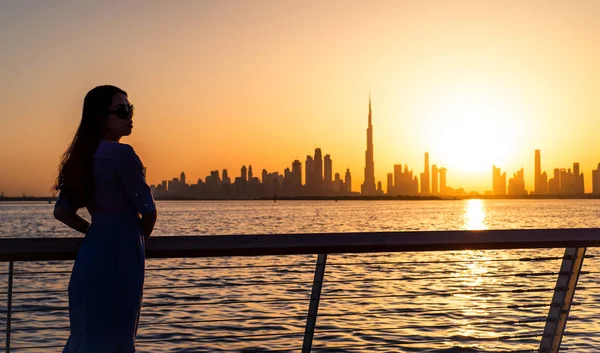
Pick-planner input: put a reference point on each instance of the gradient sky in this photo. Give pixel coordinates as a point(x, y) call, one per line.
point(218, 84)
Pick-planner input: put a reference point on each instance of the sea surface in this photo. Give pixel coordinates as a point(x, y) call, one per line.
point(453, 301)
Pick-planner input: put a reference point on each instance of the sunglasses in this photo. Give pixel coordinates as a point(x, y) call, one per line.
point(123, 111)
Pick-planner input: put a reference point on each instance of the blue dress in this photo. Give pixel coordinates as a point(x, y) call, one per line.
point(106, 285)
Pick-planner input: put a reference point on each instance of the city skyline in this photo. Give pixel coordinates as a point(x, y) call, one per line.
point(318, 180)
point(565, 182)
point(217, 84)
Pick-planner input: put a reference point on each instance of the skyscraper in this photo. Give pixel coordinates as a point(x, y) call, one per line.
point(213, 180)
point(297, 173)
point(182, 178)
point(226, 179)
point(328, 172)
point(443, 185)
point(498, 182)
point(538, 172)
point(337, 183)
point(368, 187)
point(265, 177)
point(318, 171)
point(250, 174)
point(516, 184)
point(425, 177)
point(578, 180)
point(434, 180)
point(596, 181)
point(308, 170)
point(348, 181)
point(540, 179)
point(244, 173)
point(404, 183)
point(554, 183)
point(390, 183)
point(397, 179)
point(567, 182)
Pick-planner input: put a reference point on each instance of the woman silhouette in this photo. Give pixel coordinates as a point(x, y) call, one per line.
point(106, 177)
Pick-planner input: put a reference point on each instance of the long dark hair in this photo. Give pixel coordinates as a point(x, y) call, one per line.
point(75, 179)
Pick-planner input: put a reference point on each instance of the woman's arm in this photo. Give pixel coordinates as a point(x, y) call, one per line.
point(131, 175)
point(147, 223)
point(71, 219)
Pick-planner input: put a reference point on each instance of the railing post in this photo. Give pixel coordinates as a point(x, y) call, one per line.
point(313, 309)
point(562, 299)
point(9, 304)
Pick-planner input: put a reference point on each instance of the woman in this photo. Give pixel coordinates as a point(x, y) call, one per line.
point(106, 177)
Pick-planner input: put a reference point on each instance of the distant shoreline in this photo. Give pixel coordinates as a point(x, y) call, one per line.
point(343, 198)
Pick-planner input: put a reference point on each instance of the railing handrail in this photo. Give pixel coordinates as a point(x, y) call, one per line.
point(35, 249)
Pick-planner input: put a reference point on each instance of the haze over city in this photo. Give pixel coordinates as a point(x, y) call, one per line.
point(218, 85)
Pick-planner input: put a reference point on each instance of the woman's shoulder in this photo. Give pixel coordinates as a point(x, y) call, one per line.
point(114, 150)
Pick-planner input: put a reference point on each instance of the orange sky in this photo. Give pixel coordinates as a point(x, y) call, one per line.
point(224, 83)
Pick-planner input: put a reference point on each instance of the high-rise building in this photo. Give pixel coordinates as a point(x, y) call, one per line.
point(434, 180)
point(443, 185)
point(596, 181)
point(213, 180)
point(397, 178)
point(567, 182)
point(578, 187)
point(250, 174)
point(264, 176)
point(318, 170)
point(540, 179)
point(404, 182)
point(537, 172)
point(308, 170)
point(425, 190)
point(348, 181)
point(244, 174)
point(368, 187)
point(225, 176)
point(390, 183)
point(516, 184)
point(338, 184)
point(215, 174)
point(498, 182)
point(554, 183)
point(328, 172)
point(287, 182)
point(296, 173)
point(182, 178)
point(544, 183)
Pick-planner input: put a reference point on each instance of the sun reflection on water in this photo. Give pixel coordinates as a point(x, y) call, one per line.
point(473, 306)
point(474, 216)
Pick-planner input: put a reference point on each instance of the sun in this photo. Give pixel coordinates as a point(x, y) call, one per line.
point(475, 130)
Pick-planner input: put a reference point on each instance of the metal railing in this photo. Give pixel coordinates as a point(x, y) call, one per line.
point(574, 241)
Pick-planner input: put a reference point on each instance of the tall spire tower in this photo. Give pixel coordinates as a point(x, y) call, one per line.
point(368, 187)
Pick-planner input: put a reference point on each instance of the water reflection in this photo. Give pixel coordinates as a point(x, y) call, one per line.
point(473, 306)
point(474, 216)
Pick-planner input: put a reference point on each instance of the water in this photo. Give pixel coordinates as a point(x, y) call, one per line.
point(370, 302)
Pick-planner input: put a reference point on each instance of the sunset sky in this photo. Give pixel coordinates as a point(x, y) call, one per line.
point(218, 84)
